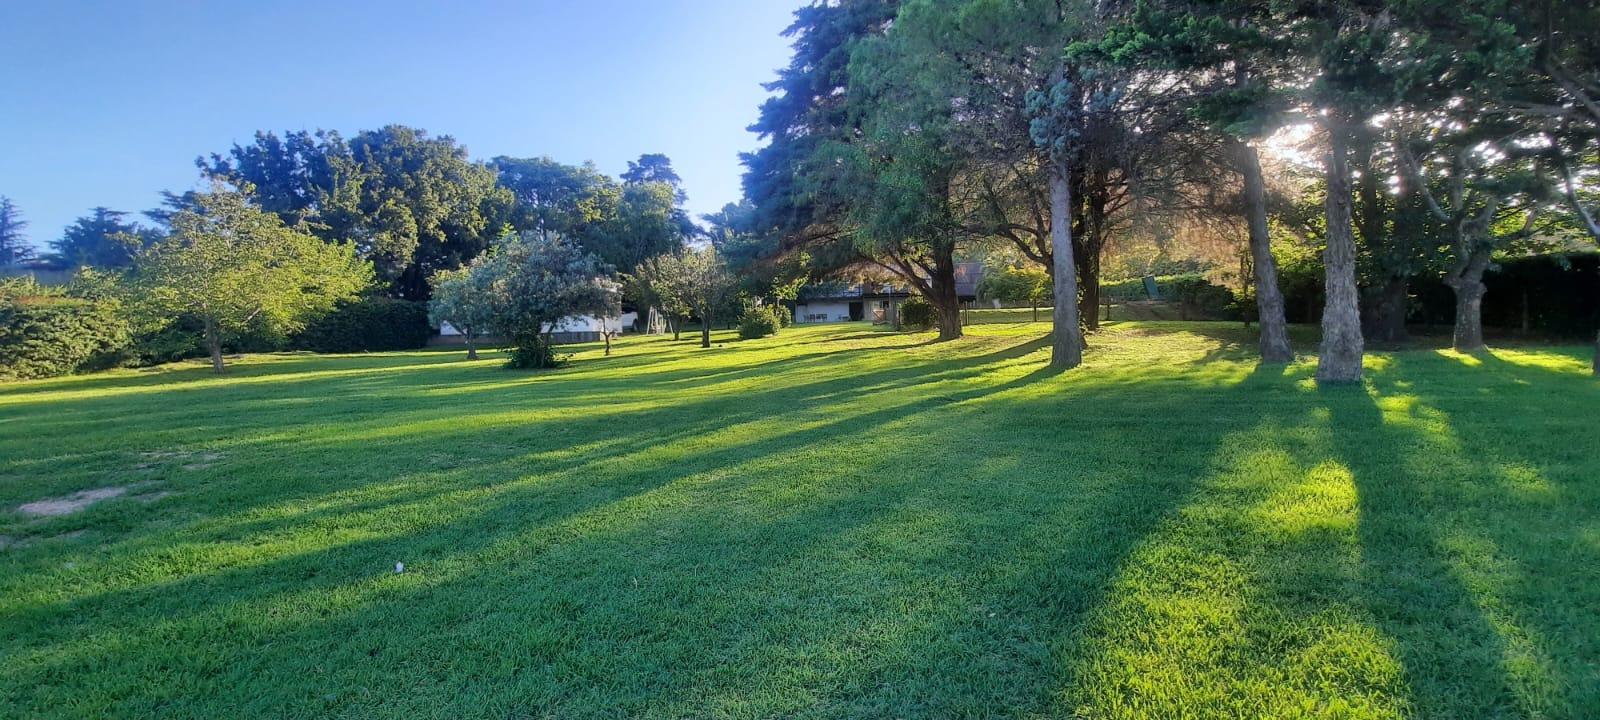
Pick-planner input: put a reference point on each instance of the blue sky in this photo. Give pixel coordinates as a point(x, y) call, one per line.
point(107, 103)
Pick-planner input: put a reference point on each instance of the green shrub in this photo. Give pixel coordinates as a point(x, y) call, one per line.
point(916, 313)
point(368, 324)
point(1201, 299)
point(784, 315)
point(50, 335)
point(757, 322)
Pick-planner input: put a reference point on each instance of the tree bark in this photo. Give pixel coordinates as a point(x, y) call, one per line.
point(677, 324)
point(214, 344)
point(1468, 337)
point(1066, 351)
point(472, 349)
point(1342, 344)
point(1275, 346)
point(943, 296)
point(705, 327)
point(1466, 281)
point(1086, 254)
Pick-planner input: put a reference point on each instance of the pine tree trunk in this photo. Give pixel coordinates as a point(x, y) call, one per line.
point(1086, 253)
point(1468, 337)
point(1275, 346)
point(214, 344)
point(1342, 344)
point(1089, 299)
point(943, 298)
point(1066, 351)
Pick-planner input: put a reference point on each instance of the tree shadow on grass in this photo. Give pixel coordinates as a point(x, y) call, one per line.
point(1472, 519)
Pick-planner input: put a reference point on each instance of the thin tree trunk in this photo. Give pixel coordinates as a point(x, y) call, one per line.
point(705, 327)
point(1342, 344)
point(214, 344)
point(1596, 363)
point(677, 325)
point(1066, 351)
point(1088, 250)
point(1036, 312)
point(1275, 346)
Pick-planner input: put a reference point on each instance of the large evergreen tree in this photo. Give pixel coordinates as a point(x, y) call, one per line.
point(104, 238)
point(14, 247)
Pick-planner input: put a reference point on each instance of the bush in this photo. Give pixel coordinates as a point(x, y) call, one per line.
point(368, 324)
point(50, 335)
point(1201, 299)
point(757, 322)
point(784, 315)
point(916, 313)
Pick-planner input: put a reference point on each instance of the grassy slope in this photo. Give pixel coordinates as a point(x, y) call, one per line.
point(832, 523)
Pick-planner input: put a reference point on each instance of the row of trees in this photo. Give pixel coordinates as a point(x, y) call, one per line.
point(904, 133)
point(410, 203)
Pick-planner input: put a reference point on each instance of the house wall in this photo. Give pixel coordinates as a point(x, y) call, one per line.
point(834, 312)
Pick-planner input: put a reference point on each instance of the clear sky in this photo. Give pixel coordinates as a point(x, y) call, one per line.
point(108, 103)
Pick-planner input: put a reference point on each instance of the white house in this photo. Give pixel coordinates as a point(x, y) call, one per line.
point(573, 329)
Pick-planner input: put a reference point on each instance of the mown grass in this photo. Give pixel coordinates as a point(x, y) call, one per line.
point(835, 522)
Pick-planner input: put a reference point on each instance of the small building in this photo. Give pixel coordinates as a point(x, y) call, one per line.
point(875, 301)
point(839, 302)
point(574, 329)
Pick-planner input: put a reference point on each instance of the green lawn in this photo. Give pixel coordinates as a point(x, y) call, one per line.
point(835, 522)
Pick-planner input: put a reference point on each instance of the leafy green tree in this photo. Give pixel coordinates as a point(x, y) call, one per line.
point(707, 286)
point(1018, 285)
point(1223, 55)
point(412, 204)
point(663, 281)
point(103, 238)
point(14, 247)
point(232, 265)
point(653, 167)
point(292, 176)
point(573, 200)
point(533, 281)
point(462, 298)
point(691, 280)
point(649, 220)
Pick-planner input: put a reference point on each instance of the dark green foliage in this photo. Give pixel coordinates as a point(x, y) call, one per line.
point(14, 248)
point(178, 340)
point(413, 204)
point(103, 238)
point(529, 352)
point(53, 334)
point(916, 314)
point(758, 321)
point(1201, 299)
point(368, 324)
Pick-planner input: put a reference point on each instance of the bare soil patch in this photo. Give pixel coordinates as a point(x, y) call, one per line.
point(68, 504)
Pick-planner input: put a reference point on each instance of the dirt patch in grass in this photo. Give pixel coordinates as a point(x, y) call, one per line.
point(69, 504)
point(78, 501)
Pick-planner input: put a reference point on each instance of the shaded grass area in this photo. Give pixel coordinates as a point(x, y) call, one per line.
point(833, 522)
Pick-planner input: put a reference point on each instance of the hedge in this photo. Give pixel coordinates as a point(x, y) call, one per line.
point(1551, 295)
point(367, 325)
point(46, 336)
